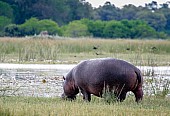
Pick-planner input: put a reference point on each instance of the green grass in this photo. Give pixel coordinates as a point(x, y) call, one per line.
point(30, 106)
point(139, 52)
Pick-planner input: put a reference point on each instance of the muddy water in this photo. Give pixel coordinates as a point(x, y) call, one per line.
point(41, 80)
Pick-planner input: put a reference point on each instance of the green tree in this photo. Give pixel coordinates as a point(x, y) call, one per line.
point(6, 10)
point(154, 19)
point(79, 9)
point(107, 12)
point(166, 11)
point(84, 10)
point(75, 29)
point(29, 27)
point(48, 25)
point(129, 24)
point(129, 12)
point(4, 21)
point(23, 10)
point(115, 29)
point(35, 26)
point(95, 27)
point(56, 10)
point(143, 31)
point(139, 29)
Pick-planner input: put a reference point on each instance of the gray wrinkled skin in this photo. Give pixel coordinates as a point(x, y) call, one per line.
point(92, 76)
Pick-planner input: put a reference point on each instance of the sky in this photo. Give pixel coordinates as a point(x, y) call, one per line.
point(121, 3)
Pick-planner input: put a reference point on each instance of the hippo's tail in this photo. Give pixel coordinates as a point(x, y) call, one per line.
point(139, 76)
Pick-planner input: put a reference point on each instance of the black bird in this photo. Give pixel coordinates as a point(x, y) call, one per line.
point(95, 47)
point(127, 48)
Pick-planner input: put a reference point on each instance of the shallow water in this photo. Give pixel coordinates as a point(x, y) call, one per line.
point(44, 80)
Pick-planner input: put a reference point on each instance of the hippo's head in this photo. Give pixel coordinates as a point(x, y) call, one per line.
point(70, 89)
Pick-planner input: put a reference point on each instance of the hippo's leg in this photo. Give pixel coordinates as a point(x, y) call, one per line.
point(86, 95)
point(120, 93)
point(122, 96)
point(138, 94)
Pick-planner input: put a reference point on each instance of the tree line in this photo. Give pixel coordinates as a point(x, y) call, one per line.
point(77, 18)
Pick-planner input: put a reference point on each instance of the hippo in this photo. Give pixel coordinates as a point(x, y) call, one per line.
point(94, 75)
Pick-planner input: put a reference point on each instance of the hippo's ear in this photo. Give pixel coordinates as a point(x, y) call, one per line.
point(64, 78)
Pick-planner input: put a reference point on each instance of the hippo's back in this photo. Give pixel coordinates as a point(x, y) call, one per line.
point(100, 70)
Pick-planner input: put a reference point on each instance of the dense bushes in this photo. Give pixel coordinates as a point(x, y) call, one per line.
point(31, 27)
point(85, 27)
point(12, 30)
point(122, 29)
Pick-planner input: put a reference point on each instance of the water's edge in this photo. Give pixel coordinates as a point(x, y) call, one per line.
point(45, 80)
